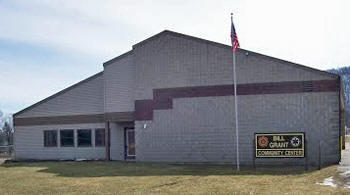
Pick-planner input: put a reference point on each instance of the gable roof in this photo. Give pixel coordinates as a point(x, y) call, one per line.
point(176, 34)
point(60, 92)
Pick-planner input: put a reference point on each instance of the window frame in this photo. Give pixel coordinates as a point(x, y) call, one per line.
point(78, 140)
point(103, 137)
point(61, 137)
point(46, 145)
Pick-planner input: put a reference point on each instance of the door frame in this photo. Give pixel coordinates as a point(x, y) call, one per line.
point(126, 155)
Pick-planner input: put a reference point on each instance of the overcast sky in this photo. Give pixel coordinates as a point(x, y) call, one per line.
point(48, 45)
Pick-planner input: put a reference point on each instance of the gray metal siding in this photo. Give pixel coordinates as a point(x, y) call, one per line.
point(86, 98)
point(171, 61)
point(29, 144)
point(255, 68)
point(117, 141)
point(202, 129)
point(119, 85)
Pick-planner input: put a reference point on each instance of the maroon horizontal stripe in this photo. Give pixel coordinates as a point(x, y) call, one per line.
point(76, 119)
point(163, 98)
point(52, 120)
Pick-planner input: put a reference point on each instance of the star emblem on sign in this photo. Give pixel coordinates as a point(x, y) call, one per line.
point(295, 141)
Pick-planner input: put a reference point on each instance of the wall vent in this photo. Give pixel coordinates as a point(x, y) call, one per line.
point(308, 86)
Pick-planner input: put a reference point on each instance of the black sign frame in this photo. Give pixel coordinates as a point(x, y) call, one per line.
point(302, 134)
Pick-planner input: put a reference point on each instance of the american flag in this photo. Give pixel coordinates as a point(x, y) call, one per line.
point(234, 38)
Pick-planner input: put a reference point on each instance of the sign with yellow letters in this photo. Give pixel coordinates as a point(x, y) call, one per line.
point(281, 145)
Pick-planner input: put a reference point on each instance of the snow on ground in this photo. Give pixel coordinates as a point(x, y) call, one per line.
point(342, 178)
point(328, 182)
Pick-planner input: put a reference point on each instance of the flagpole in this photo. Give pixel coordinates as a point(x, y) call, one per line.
point(236, 99)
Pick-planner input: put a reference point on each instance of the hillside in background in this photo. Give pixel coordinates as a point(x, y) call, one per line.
point(344, 72)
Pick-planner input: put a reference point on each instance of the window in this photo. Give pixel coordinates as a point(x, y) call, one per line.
point(84, 137)
point(99, 137)
point(67, 138)
point(50, 138)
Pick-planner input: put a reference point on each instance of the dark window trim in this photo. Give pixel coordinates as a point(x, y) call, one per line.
point(78, 143)
point(72, 146)
point(49, 146)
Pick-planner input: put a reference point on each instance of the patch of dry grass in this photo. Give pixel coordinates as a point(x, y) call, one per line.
point(140, 178)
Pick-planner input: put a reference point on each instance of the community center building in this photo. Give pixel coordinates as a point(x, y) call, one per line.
point(171, 99)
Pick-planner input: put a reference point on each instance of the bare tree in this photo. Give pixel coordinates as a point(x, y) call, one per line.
point(7, 131)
